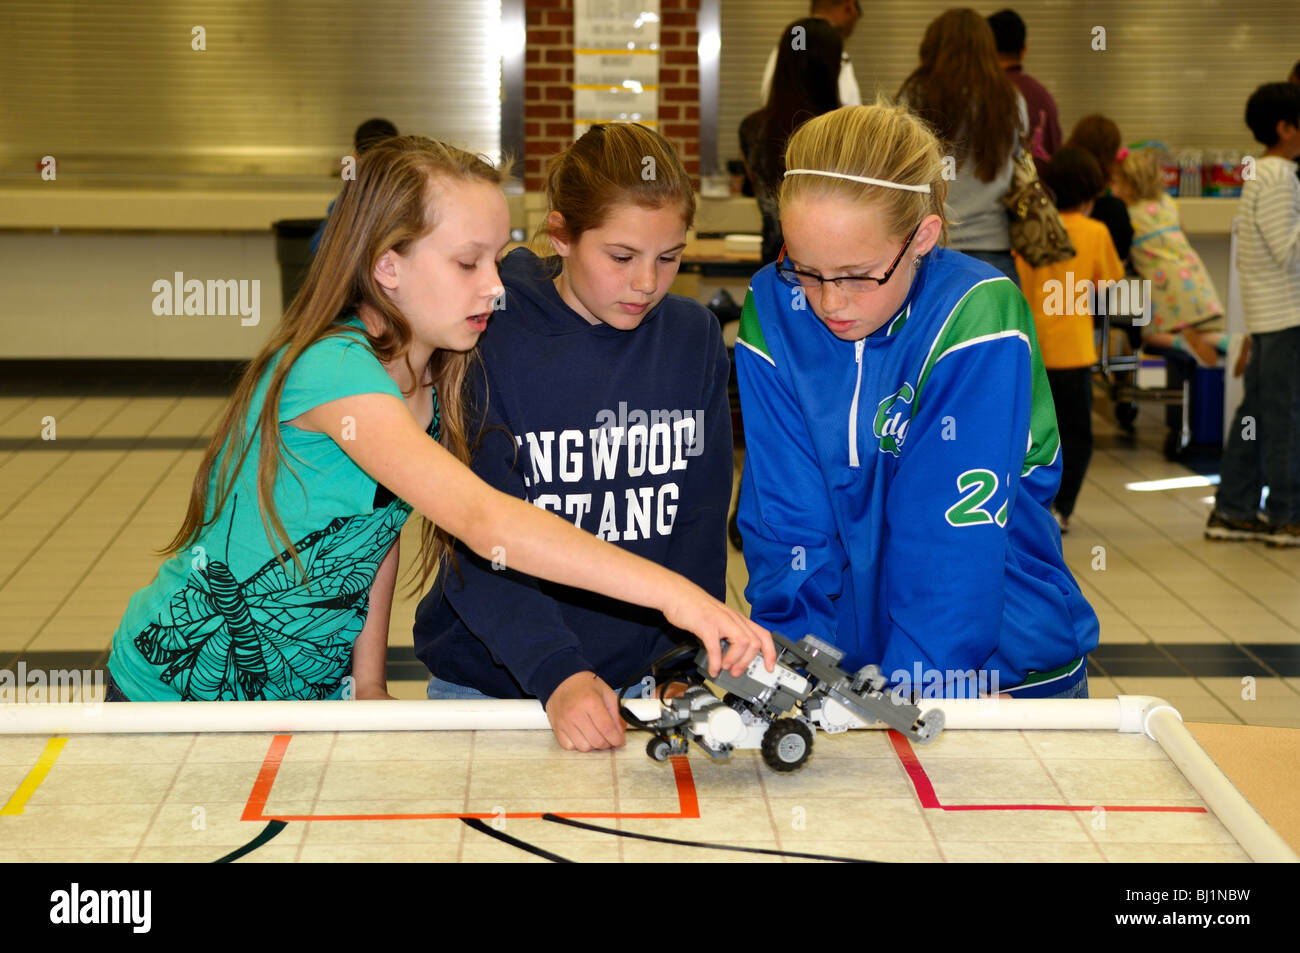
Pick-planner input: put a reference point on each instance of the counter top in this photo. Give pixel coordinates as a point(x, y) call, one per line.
point(51, 205)
point(1207, 216)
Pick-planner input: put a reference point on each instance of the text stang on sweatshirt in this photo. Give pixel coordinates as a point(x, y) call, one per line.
point(649, 511)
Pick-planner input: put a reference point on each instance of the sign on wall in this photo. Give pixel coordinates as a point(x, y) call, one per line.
point(615, 63)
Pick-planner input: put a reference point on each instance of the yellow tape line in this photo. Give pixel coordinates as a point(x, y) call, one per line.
point(34, 778)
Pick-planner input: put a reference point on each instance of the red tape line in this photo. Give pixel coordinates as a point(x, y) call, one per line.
point(925, 791)
point(255, 809)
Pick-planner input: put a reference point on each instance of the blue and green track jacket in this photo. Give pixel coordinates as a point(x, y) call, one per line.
point(896, 492)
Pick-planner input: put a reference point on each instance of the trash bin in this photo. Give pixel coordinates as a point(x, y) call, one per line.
point(293, 252)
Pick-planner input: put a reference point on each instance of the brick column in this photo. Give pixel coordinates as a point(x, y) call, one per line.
point(679, 81)
point(548, 76)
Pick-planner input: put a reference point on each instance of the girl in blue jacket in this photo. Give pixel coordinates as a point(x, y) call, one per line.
point(901, 442)
point(603, 399)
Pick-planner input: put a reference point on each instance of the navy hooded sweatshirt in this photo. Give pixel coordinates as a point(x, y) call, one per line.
point(627, 434)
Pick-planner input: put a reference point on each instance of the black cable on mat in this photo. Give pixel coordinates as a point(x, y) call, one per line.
point(692, 843)
point(490, 831)
point(269, 831)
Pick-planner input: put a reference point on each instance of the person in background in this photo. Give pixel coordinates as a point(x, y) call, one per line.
point(1100, 138)
point(1065, 334)
point(1044, 126)
point(369, 133)
point(1186, 313)
point(843, 15)
point(961, 90)
point(805, 86)
point(1295, 78)
point(1186, 324)
point(1268, 265)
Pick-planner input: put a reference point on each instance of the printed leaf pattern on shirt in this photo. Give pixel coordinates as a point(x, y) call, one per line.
point(273, 635)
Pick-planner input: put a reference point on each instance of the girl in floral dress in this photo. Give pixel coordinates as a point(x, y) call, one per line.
point(1186, 313)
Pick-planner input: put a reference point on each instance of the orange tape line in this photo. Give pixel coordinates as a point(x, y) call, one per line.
point(255, 807)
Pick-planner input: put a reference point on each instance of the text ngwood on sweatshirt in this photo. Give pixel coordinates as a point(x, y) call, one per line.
point(627, 434)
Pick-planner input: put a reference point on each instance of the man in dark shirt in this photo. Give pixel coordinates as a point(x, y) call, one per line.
point(369, 133)
point(1044, 126)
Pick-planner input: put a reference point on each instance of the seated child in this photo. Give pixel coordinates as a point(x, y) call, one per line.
point(1065, 331)
point(1185, 311)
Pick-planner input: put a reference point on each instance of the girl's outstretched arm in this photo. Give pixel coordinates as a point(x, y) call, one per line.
point(382, 437)
point(370, 651)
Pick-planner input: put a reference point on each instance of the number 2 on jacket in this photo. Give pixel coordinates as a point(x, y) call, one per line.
point(978, 487)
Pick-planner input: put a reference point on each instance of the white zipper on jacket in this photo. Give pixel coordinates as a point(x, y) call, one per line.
point(858, 348)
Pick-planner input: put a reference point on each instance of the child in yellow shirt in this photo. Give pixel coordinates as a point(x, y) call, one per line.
point(1061, 297)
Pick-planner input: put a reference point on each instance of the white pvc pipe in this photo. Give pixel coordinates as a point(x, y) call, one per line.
point(1042, 714)
point(284, 716)
point(989, 714)
point(1261, 842)
point(1111, 714)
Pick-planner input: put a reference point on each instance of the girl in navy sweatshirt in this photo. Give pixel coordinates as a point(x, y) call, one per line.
point(602, 398)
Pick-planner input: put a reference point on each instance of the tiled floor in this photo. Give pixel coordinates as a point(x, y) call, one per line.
point(1213, 627)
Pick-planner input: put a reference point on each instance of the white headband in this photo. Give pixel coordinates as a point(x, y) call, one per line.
point(862, 178)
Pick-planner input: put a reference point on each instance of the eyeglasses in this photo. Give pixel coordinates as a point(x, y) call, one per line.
point(848, 283)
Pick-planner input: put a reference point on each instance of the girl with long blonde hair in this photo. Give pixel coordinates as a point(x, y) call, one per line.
point(901, 450)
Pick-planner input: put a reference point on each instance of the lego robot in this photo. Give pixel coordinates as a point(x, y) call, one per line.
point(778, 712)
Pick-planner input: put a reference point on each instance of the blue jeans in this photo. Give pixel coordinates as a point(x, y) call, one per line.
point(1078, 690)
point(1001, 260)
point(1267, 453)
point(441, 690)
